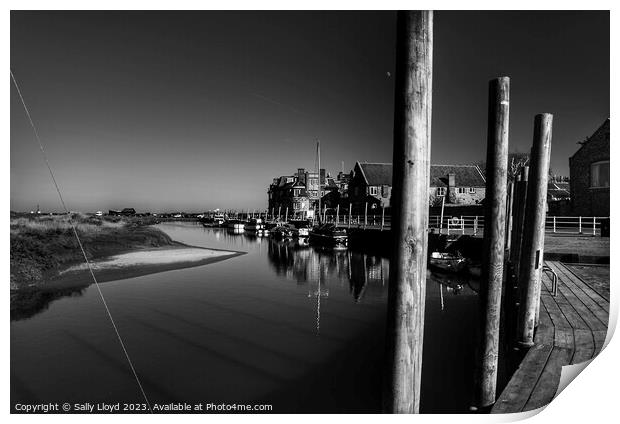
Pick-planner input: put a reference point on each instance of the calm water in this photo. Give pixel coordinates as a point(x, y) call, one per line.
point(256, 328)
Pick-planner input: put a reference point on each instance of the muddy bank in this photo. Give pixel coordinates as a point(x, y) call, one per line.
point(74, 280)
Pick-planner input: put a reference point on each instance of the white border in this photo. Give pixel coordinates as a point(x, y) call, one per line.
point(591, 398)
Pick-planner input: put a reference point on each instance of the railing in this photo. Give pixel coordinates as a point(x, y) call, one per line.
point(462, 224)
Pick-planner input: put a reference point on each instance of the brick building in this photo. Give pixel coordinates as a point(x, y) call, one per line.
point(289, 192)
point(589, 175)
point(460, 185)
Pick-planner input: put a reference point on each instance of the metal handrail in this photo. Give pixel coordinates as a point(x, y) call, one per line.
point(554, 280)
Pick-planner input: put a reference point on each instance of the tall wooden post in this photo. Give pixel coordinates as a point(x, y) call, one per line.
point(519, 216)
point(286, 215)
point(382, 217)
point(279, 209)
point(510, 203)
point(443, 203)
point(365, 214)
point(350, 208)
point(412, 146)
point(494, 237)
point(337, 213)
point(531, 262)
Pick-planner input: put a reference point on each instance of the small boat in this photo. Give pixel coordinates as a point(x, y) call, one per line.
point(447, 262)
point(301, 228)
point(282, 232)
point(328, 235)
point(235, 224)
point(254, 225)
point(213, 221)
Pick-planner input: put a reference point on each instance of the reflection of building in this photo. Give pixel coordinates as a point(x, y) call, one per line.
point(589, 175)
point(459, 184)
point(366, 276)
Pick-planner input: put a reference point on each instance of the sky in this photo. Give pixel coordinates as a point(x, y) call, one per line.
point(193, 111)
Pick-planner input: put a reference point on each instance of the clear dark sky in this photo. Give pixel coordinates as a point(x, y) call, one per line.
point(198, 110)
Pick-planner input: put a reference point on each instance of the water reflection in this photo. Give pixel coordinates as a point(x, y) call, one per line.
point(365, 275)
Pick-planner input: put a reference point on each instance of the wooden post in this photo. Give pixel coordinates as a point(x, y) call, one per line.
point(337, 213)
point(554, 224)
point(412, 146)
point(365, 214)
point(519, 217)
point(286, 215)
point(350, 207)
point(443, 203)
point(475, 224)
point(531, 261)
point(382, 217)
point(511, 192)
point(279, 209)
point(580, 224)
point(593, 225)
point(494, 237)
point(462, 225)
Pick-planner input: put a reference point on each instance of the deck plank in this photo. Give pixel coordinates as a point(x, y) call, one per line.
point(518, 391)
point(549, 380)
point(577, 285)
point(584, 346)
point(572, 329)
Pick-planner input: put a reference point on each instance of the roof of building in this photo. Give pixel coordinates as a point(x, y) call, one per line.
point(377, 174)
point(602, 130)
point(558, 190)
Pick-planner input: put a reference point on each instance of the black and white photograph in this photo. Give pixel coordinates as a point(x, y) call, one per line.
point(307, 211)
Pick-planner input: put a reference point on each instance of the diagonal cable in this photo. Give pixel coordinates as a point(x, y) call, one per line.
point(77, 237)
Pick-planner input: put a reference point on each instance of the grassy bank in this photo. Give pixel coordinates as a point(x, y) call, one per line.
point(41, 246)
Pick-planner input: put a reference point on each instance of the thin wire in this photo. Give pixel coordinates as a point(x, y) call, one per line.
point(62, 201)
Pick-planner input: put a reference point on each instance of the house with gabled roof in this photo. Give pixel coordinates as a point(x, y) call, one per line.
point(459, 184)
point(589, 175)
point(288, 193)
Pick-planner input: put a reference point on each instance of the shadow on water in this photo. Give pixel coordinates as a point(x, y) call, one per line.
point(28, 303)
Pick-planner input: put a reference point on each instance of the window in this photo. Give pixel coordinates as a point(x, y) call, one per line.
point(461, 190)
point(472, 190)
point(373, 191)
point(289, 179)
point(296, 192)
point(599, 174)
point(441, 191)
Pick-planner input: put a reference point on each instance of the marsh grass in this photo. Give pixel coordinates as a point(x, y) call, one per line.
point(43, 245)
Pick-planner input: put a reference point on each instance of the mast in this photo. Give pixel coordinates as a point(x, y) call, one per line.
point(318, 154)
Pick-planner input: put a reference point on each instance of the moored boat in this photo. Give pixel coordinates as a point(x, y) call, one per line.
point(301, 228)
point(235, 224)
point(328, 235)
point(447, 262)
point(282, 232)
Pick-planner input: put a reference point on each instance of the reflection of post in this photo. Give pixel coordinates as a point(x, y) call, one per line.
point(494, 237)
point(411, 158)
point(531, 263)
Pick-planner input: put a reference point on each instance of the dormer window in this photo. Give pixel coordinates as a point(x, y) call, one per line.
point(441, 191)
point(373, 191)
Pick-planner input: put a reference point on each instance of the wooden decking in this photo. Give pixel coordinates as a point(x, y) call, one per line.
point(572, 329)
